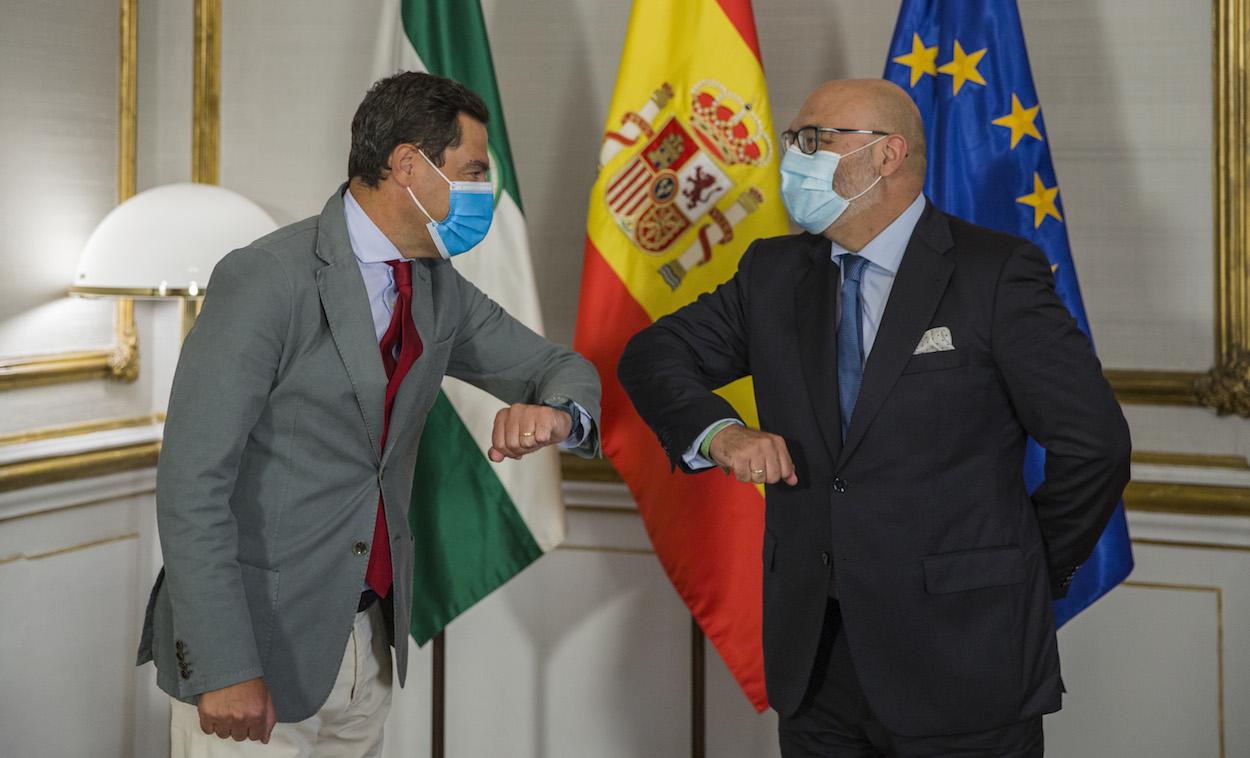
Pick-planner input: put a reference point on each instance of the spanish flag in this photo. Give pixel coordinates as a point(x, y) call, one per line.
point(687, 179)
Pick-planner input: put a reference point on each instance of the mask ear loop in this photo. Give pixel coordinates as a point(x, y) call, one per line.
point(879, 176)
point(419, 205)
point(414, 197)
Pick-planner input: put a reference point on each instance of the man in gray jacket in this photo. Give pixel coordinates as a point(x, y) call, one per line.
point(292, 432)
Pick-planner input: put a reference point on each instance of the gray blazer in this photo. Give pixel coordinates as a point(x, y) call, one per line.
point(268, 481)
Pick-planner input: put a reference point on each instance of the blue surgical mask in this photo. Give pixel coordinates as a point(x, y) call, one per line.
point(807, 187)
point(470, 207)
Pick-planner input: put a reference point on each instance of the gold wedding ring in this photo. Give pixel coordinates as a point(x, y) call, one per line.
point(757, 473)
point(527, 434)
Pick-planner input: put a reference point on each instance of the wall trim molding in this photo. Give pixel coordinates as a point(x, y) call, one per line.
point(68, 549)
point(1218, 593)
point(587, 478)
point(85, 427)
point(26, 474)
point(82, 451)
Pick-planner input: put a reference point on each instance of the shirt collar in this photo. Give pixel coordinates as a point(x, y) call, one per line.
point(368, 242)
point(887, 248)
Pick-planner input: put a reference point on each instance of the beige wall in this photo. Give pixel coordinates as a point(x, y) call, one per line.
point(588, 648)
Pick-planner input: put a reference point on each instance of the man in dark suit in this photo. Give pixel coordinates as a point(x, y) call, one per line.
point(901, 358)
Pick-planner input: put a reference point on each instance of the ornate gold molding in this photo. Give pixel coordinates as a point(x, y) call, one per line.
point(1187, 499)
point(120, 362)
point(61, 468)
point(1154, 387)
point(127, 100)
point(86, 427)
point(1196, 460)
point(1225, 388)
point(206, 93)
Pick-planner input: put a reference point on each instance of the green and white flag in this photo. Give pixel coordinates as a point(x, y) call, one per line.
point(476, 523)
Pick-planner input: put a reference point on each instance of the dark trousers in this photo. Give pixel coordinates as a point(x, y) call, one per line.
point(835, 720)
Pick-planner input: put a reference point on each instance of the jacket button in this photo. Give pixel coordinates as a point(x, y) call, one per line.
point(824, 557)
point(178, 644)
point(839, 485)
point(360, 548)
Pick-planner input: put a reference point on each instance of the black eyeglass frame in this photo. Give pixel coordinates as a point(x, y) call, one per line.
point(791, 136)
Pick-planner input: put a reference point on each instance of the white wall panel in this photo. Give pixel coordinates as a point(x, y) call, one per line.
point(1142, 670)
point(75, 565)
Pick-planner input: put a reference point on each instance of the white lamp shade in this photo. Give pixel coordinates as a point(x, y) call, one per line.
point(165, 241)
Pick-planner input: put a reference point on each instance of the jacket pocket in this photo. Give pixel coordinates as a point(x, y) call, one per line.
point(944, 359)
point(973, 569)
point(770, 550)
point(260, 586)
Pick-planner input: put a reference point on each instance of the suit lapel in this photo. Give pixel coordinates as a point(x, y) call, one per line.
point(816, 306)
point(346, 305)
point(404, 407)
point(918, 287)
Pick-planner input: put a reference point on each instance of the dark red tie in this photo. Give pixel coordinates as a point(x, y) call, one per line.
point(401, 347)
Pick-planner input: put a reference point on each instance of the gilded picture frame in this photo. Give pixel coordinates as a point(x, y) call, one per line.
point(1225, 388)
point(121, 361)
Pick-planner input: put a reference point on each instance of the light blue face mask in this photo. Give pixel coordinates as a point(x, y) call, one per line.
point(807, 187)
point(470, 207)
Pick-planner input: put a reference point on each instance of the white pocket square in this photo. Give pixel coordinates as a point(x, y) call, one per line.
point(935, 340)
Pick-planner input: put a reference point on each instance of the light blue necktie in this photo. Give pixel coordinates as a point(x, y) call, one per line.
point(850, 338)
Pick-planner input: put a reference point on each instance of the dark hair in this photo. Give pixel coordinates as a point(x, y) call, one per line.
point(408, 107)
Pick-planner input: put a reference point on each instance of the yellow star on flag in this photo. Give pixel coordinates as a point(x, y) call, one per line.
point(963, 67)
point(1042, 200)
point(922, 60)
point(1020, 121)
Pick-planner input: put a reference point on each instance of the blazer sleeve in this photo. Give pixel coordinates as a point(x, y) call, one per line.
point(228, 364)
point(671, 368)
point(1057, 388)
point(496, 353)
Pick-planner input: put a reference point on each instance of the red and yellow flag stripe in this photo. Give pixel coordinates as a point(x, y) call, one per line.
point(688, 178)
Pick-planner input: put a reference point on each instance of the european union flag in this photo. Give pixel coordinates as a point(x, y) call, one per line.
point(965, 65)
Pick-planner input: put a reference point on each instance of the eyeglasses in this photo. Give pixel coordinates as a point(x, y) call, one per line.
point(808, 137)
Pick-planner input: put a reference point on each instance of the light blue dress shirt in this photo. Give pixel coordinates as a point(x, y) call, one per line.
point(373, 250)
point(884, 253)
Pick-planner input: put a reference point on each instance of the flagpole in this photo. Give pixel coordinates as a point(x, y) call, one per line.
point(438, 711)
point(698, 692)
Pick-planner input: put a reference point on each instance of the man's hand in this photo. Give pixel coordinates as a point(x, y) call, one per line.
point(753, 456)
point(522, 429)
point(243, 711)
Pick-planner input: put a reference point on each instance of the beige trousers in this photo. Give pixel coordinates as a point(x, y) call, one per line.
point(349, 725)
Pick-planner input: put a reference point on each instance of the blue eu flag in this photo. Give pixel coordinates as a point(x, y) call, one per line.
point(965, 65)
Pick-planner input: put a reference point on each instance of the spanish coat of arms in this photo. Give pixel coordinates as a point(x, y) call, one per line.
point(678, 178)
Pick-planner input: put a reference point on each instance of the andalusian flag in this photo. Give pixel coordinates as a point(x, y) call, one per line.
point(687, 179)
point(476, 523)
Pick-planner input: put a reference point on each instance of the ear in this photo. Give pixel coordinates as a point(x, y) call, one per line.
point(403, 163)
point(894, 153)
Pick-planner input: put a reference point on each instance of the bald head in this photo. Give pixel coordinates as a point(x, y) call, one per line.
point(874, 104)
point(881, 171)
